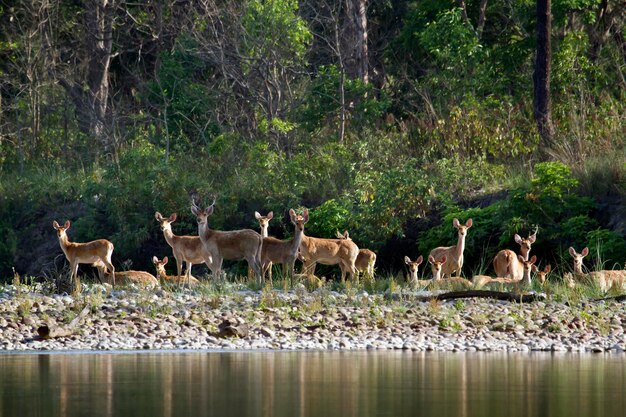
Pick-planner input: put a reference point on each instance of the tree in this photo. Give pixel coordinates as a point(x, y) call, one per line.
point(541, 75)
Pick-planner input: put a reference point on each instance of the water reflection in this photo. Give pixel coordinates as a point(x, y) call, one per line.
point(311, 384)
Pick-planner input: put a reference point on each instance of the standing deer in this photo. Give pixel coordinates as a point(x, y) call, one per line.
point(232, 245)
point(284, 251)
point(84, 253)
point(264, 223)
point(188, 249)
point(162, 274)
point(329, 252)
point(366, 259)
point(606, 279)
point(453, 254)
point(506, 264)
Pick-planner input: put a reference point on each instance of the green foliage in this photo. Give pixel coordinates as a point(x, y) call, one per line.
point(328, 218)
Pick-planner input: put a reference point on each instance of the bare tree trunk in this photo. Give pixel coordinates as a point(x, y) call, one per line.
point(541, 75)
point(91, 100)
point(482, 17)
point(356, 39)
point(342, 82)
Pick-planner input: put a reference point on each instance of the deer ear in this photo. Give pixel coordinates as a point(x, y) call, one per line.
point(209, 210)
point(585, 252)
point(172, 218)
point(155, 260)
point(533, 259)
point(419, 260)
point(532, 238)
point(443, 260)
point(407, 260)
point(346, 235)
point(534, 268)
point(548, 268)
point(469, 223)
point(305, 214)
point(67, 225)
point(270, 215)
point(55, 224)
point(431, 259)
point(339, 235)
point(518, 239)
point(257, 215)
point(572, 252)
point(158, 216)
point(195, 211)
point(456, 223)
point(165, 260)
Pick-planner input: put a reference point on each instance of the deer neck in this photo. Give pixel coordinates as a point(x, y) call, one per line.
point(169, 236)
point(297, 240)
point(65, 243)
point(460, 246)
point(264, 231)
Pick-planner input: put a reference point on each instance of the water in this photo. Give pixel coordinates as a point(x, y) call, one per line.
point(312, 384)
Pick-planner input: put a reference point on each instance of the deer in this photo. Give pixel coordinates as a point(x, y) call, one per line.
point(453, 254)
point(284, 252)
point(606, 279)
point(366, 258)
point(329, 252)
point(413, 267)
point(437, 267)
point(231, 245)
point(162, 274)
point(542, 275)
point(140, 278)
point(264, 223)
point(187, 249)
point(506, 264)
point(84, 253)
point(525, 279)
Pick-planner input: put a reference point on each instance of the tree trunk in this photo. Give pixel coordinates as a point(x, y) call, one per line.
point(541, 75)
point(482, 16)
point(356, 40)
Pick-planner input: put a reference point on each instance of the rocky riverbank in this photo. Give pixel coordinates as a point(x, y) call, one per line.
point(300, 319)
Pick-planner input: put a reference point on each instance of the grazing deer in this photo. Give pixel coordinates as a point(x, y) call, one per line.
point(188, 249)
point(606, 279)
point(453, 254)
point(160, 268)
point(542, 275)
point(329, 252)
point(232, 245)
point(505, 262)
point(366, 258)
point(284, 251)
point(527, 266)
point(84, 253)
point(140, 278)
point(413, 267)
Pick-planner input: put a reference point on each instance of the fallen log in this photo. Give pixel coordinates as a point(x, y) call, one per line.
point(497, 295)
point(618, 298)
point(45, 332)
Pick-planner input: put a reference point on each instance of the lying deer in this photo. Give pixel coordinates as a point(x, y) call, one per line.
point(84, 253)
point(606, 279)
point(437, 267)
point(507, 264)
point(527, 266)
point(366, 258)
point(413, 268)
point(329, 252)
point(453, 254)
point(232, 245)
point(284, 251)
point(188, 249)
point(140, 278)
point(178, 280)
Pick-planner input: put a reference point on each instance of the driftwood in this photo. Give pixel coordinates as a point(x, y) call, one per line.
point(45, 332)
point(618, 298)
point(498, 295)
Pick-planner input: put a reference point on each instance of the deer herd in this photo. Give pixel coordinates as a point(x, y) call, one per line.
point(261, 251)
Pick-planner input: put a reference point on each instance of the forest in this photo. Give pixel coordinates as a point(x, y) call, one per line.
point(386, 118)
